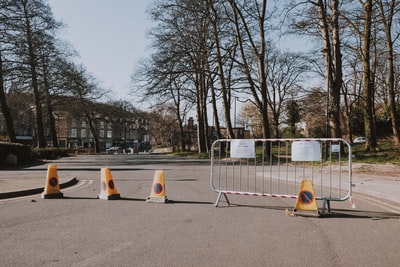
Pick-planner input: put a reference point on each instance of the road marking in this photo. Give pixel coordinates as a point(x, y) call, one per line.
point(79, 185)
point(383, 203)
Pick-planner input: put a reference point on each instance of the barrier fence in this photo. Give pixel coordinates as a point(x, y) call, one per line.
point(276, 168)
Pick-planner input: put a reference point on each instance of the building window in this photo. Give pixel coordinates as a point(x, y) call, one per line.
point(101, 133)
point(102, 125)
point(83, 133)
point(109, 134)
point(83, 124)
point(74, 133)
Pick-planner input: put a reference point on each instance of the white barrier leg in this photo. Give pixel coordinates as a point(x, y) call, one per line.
point(219, 198)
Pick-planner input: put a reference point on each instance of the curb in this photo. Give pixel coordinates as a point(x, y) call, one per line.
point(35, 191)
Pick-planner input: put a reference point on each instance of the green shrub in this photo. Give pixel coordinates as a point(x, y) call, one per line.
point(49, 153)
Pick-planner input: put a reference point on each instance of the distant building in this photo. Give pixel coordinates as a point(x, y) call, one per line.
point(124, 129)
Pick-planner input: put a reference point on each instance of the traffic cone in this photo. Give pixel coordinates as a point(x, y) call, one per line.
point(306, 197)
point(108, 188)
point(157, 194)
point(52, 187)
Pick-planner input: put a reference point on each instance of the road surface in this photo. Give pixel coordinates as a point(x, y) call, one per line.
point(81, 230)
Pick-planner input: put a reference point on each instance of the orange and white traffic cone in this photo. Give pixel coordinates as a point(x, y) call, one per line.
point(52, 187)
point(157, 194)
point(306, 198)
point(108, 188)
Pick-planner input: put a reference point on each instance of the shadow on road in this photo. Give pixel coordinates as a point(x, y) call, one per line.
point(79, 197)
point(188, 202)
point(335, 213)
point(170, 201)
point(362, 214)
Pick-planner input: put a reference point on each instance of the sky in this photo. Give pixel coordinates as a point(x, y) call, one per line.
point(109, 36)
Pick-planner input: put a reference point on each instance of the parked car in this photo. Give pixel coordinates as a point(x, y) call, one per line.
point(113, 150)
point(359, 140)
point(129, 150)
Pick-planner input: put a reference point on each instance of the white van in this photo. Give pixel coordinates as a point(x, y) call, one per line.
point(359, 140)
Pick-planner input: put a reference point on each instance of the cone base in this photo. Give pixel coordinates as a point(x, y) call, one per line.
point(109, 197)
point(54, 195)
point(312, 213)
point(156, 200)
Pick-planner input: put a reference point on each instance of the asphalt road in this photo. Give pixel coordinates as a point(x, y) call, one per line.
point(81, 230)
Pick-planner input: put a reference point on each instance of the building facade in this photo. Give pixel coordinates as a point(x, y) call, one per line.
point(74, 132)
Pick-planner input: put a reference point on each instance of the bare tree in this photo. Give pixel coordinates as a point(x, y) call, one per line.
point(284, 74)
point(313, 103)
point(368, 90)
point(84, 91)
point(165, 78)
point(4, 106)
point(219, 28)
point(352, 96)
point(47, 56)
point(293, 113)
point(4, 50)
point(387, 12)
point(31, 22)
point(322, 21)
point(177, 71)
point(249, 18)
point(333, 62)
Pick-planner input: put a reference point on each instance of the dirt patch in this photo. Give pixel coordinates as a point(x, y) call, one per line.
point(377, 169)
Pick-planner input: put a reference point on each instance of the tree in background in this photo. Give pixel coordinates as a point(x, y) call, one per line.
point(285, 71)
point(33, 23)
point(367, 78)
point(320, 19)
point(293, 115)
point(29, 25)
point(249, 18)
point(313, 105)
point(5, 110)
point(84, 91)
point(387, 11)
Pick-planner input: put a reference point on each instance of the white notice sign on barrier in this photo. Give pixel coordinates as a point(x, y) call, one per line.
point(306, 151)
point(243, 148)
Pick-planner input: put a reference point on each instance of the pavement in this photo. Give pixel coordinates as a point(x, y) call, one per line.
point(377, 181)
point(17, 181)
point(11, 187)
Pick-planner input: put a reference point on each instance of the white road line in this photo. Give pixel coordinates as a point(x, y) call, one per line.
point(382, 203)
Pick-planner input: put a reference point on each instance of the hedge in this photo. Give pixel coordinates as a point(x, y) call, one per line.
point(23, 152)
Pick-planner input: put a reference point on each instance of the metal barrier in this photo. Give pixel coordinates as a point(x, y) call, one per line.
point(276, 168)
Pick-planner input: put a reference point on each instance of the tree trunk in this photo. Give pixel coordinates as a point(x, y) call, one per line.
point(333, 66)
point(4, 107)
point(338, 75)
point(200, 107)
point(53, 130)
point(387, 23)
point(34, 83)
point(94, 134)
point(52, 124)
point(226, 94)
point(182, 143)
point(215, 113)
point(370, 144)
point(259, 54)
